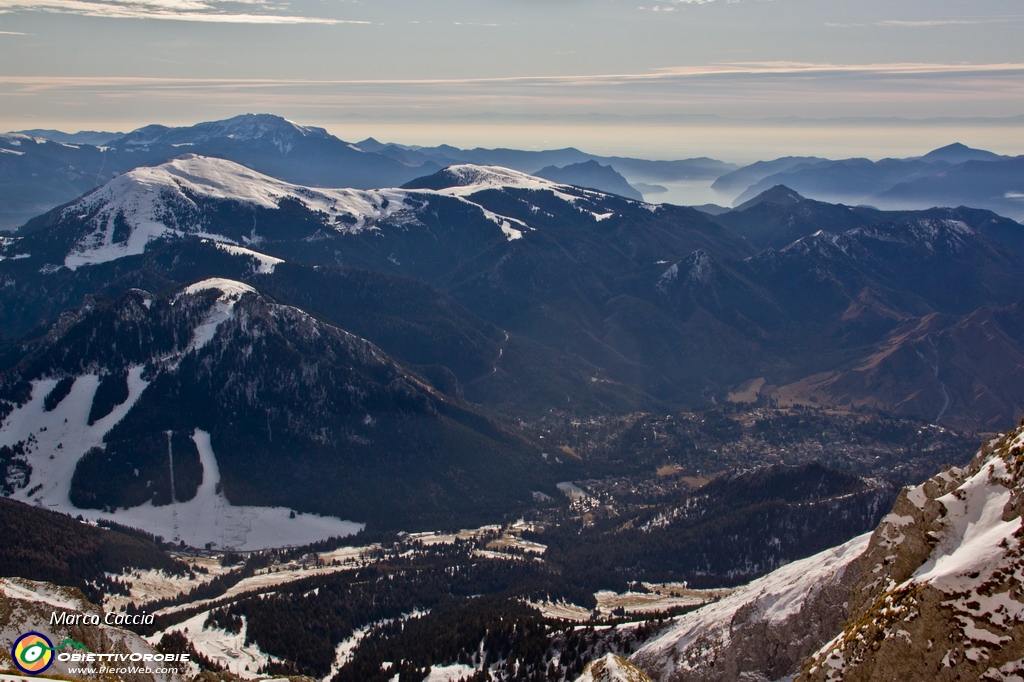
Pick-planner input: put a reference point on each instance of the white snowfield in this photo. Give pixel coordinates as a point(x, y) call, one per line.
point(264, 264)
point(58, 439)
point(156, 202)
point(471, 179)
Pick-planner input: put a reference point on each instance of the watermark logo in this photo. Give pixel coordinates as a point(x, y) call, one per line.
point(32, 653)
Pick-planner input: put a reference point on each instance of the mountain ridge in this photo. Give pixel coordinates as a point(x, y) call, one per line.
point(940, 568)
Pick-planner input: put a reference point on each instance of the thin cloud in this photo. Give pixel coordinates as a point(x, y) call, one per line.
point(211, 11)
point(727, 69)
point(928, 23)
point(673, 5)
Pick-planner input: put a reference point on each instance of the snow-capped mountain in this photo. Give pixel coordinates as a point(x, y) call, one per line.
point(225, 201)
point(37, 173)
point(934, 591)
point(176, 199)
point(277, 131)
point(667, 301)
point(193, 413)
point(272, 145)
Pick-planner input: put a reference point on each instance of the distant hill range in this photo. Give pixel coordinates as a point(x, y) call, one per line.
point(40, 169)
point(385, 343)
point(955, 175)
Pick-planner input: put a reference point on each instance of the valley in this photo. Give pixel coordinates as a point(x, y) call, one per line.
point(458, 421)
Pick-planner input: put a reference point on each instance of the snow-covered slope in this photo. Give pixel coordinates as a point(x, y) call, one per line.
point(468, 178)
point(54, 439)
point(933, 593)
point(942, 597)
point(149, 203)
point(215, 416)
point(229, 203)
point(761, 631)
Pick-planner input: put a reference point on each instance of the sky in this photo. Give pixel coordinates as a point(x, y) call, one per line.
point(732, 79)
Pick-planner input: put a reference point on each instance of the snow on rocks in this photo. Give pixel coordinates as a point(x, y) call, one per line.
point(943, 595)
point(612, 668)
point(781, 613)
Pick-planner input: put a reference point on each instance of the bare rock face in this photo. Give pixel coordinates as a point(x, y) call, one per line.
point(941, 597)
point(937, 591)
point(612, 668)
point(29, 606)
point(763, 630)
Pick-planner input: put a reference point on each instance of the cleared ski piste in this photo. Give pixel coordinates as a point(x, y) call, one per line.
point(58, 439)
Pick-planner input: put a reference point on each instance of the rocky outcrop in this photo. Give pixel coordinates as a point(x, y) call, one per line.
point(943, 598)
point(763, 630)
point(65, 617)
point(936, 591)
point(612, 668)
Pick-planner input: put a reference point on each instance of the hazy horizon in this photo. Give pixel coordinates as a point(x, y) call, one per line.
point(730, 140)
point(608, 76)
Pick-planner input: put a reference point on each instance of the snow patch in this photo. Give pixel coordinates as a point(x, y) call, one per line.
point(55, 441)
point(264, 264)
point(449, 673)
point(223, 310)
point(971, 539)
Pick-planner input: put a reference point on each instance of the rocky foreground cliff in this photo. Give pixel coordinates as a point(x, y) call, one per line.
point(934, 593)
point(943, 596)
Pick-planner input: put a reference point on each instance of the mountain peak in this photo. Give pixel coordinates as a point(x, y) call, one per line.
point(150, 202)
point(370, 144)
point(593, 175)
point(271, 128)
point(779, 195)
point(228, 288)
point(477, 178)
point(958, 153)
